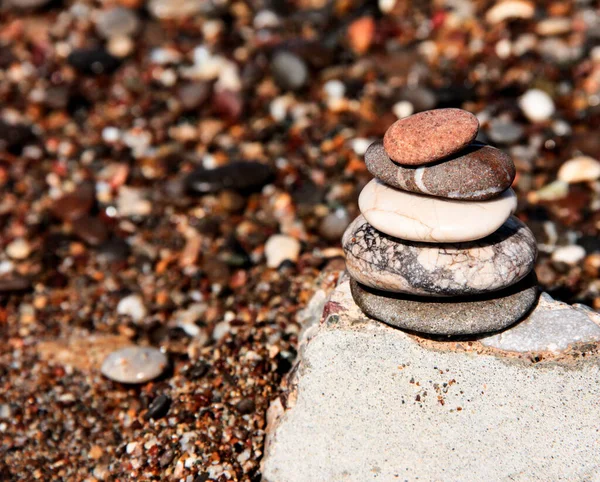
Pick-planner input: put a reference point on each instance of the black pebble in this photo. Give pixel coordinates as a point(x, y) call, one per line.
point(159, 407)
point(198, 370)
point(245, 406)
point(93, 61)
point(243, 177)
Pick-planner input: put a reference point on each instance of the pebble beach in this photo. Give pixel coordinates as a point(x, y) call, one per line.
point(176, 177)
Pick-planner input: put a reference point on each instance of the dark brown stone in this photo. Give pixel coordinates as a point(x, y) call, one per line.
point(476, 173)
point(429, 136)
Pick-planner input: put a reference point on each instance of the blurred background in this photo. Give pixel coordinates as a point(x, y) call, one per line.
point(178, 173)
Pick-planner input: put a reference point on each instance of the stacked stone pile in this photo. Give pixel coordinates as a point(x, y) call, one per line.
point(436, 248)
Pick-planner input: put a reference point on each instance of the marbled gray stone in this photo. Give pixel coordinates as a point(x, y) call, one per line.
point(449, 316)
point(134, 364)
point(476, 173)
point(553, 326)
point(450, 269)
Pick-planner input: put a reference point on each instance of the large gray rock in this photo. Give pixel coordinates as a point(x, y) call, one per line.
point(371, 402)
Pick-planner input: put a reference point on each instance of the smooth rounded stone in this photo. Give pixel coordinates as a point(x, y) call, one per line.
point(237, 176)
point(74, 204)
point(579, 169)
point(449, 316)
point(476, 173)
point(390, 264)
point(116, 22)
point(92, 230)
point(504, 132)
point(27, 3)
point(431, 135)
point(93, 61)
point(134, 364)
point(280, 248)
point(537, 105)
point(192, 95)
point(333, 225)
point(289, 71)
point(428, 219)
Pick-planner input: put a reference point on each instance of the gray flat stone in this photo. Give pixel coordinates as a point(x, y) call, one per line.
point(552, 326)
point(371, 402)
point(476, 173)
point(449, 316)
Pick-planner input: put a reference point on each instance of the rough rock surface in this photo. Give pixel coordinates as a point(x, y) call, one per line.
point(476, 173)
point(449, 316)
point(553, 326)
point(391, 264)
point(429, 136)
point(371, 402)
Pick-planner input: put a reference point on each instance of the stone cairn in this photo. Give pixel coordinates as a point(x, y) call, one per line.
point(436, 248)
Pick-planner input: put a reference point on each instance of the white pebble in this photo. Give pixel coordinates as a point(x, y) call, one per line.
point(334, 89)
point(506, 9)
point(403, 109)
point(134, 364)
point(503, 48)
point(386, 6)
point(579, 169)
point(280, 247)
point(266, 19)
point(132, 305)
point(570, 255)
point(537, 105)
point(360, 145)
point(18, 249)
point(111, 134)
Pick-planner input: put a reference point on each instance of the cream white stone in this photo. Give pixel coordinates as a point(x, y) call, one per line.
point(579, 169)
point(432, 220)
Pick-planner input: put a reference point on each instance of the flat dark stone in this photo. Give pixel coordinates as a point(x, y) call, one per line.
point(15, 284)
point(93, 61)
point(92, 230)
point(449, 316)
point(476, 173)
point(237, 176)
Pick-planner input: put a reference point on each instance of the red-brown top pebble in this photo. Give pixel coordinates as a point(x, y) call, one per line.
point(429, 136)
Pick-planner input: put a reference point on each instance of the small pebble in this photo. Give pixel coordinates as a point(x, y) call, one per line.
point(245, 406)
point(158, 408)
point(193, 95)
point(237, 176)
point(174, 9)
point(91, 230)
point(569, 255)
point(334, 224)
point(579, 169)
point(133, 306)
point(120, 46)
point(14, 284)
point(280, 247)
point(509, 9)
point(93, 61)
point(134, 364)
point(537, 105)
point(504, 132)
point(18, 249)
point(403, 109)
point(289, 70)
point(117, 21)
point(27, 3)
